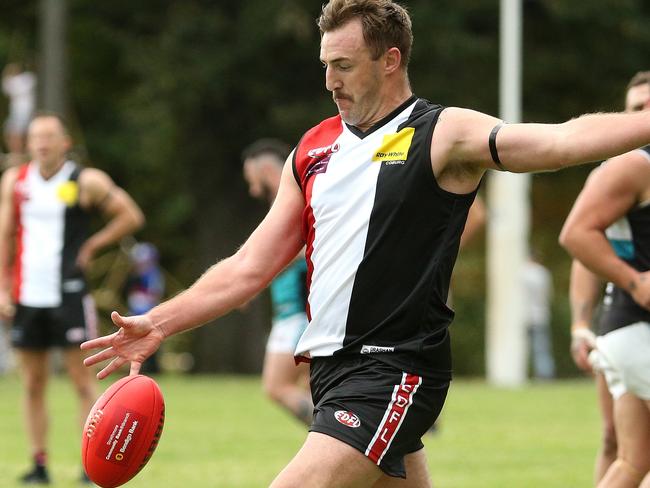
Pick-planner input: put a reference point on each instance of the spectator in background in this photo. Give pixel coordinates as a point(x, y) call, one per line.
point(284, 382)
point(144, 289)
point(538, 288)
point(19, 86)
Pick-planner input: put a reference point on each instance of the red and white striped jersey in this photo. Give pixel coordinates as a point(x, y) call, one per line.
point(50, 230)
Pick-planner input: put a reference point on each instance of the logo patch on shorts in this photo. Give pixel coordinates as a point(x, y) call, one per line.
point(348, 419)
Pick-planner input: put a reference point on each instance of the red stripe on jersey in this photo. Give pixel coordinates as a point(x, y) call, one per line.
point(393, 418)
point(311, 158)
point(18, 199)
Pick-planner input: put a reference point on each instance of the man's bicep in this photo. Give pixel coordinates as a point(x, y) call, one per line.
point(608, 194)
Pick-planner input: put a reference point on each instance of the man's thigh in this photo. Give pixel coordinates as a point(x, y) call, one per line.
point(325, 462)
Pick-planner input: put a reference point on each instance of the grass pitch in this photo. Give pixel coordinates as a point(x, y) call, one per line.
point(221, 432)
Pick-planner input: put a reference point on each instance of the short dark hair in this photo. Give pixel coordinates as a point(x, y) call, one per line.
point(275, 147)
point(385, 24)
point(641, 78)
point(42, 114)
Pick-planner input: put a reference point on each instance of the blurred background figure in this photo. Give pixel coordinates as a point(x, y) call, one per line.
point(144, 289)
point(538, 285)
point(283, 381)
point(46, 244)
point(19, 85)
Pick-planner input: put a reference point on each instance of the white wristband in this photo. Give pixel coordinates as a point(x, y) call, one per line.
point(584, 334)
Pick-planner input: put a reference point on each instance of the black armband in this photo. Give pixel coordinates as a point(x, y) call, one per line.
point(493, 146)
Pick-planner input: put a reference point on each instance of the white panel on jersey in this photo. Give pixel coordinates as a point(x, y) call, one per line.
point(43, 220)
point(342, 201)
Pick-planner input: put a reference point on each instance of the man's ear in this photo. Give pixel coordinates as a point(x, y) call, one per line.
point(392, 60)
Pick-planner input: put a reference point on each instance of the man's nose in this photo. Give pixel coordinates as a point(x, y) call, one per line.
point(332, 82)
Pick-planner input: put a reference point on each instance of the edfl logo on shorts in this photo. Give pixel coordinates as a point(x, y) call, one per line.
point(348, 419)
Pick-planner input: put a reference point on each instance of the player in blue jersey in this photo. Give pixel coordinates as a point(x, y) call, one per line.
point(283, 381)
point(378, 194)
point(608, 233)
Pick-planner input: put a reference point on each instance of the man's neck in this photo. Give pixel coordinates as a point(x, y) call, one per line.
point(390, 101)
point(49, 170)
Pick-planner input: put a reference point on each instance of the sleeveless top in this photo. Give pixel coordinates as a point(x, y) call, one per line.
point(381, 241)
point(51, 227)
point(630, 238)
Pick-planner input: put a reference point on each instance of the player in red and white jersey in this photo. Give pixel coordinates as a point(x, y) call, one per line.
point(45, 246)
point(379, 194)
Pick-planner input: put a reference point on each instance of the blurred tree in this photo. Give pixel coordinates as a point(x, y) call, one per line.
point(166, 93)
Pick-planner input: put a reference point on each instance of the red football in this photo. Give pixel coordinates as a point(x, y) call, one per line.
point(122, 430)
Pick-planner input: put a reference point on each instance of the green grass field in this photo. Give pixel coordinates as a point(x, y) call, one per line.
point(221, 432)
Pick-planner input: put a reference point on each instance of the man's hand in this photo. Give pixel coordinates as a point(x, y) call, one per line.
point(583, 340)
point(7, 308)
point(86, 254)
point(136, 340)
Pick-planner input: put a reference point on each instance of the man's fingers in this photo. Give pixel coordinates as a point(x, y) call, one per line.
point(120, 321)
point(99, 357)
point(114, 365)
point(135, 367)
point(98, 343)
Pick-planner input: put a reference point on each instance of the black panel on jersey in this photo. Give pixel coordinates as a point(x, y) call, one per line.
point(75, 234)
point(401, 286)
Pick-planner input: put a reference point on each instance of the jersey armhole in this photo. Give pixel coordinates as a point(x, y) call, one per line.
point(294, 166)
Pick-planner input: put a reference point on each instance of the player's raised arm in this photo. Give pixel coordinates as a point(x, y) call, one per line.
point(226, 285)
point(471, 139)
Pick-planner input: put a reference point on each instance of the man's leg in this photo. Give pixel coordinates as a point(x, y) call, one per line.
point(34, 366)
point(83, 380)
point(632, 419)
point(34, 370)
point(325, 462)
point(283, 382)
point(607, 453)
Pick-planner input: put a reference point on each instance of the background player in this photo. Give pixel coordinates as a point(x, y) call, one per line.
point(584, 293)
point(608, 231)
point(284, 382)
point(44, 248)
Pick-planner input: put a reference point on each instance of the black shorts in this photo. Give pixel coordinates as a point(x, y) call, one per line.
point(374, 407)
point(70, 324)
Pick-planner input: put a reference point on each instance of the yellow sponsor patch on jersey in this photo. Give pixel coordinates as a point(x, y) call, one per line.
point(395, 147)
point(68, 193)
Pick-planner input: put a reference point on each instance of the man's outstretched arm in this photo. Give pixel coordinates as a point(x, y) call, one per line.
point(225, 286)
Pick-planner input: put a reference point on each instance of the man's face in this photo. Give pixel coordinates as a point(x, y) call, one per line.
point(253, 177)
point(638, 98)
point(47, 141)
point(350, 72)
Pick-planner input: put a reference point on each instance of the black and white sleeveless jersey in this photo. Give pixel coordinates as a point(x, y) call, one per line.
point(630, 238)
point(381, 240)
point(50, 229)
